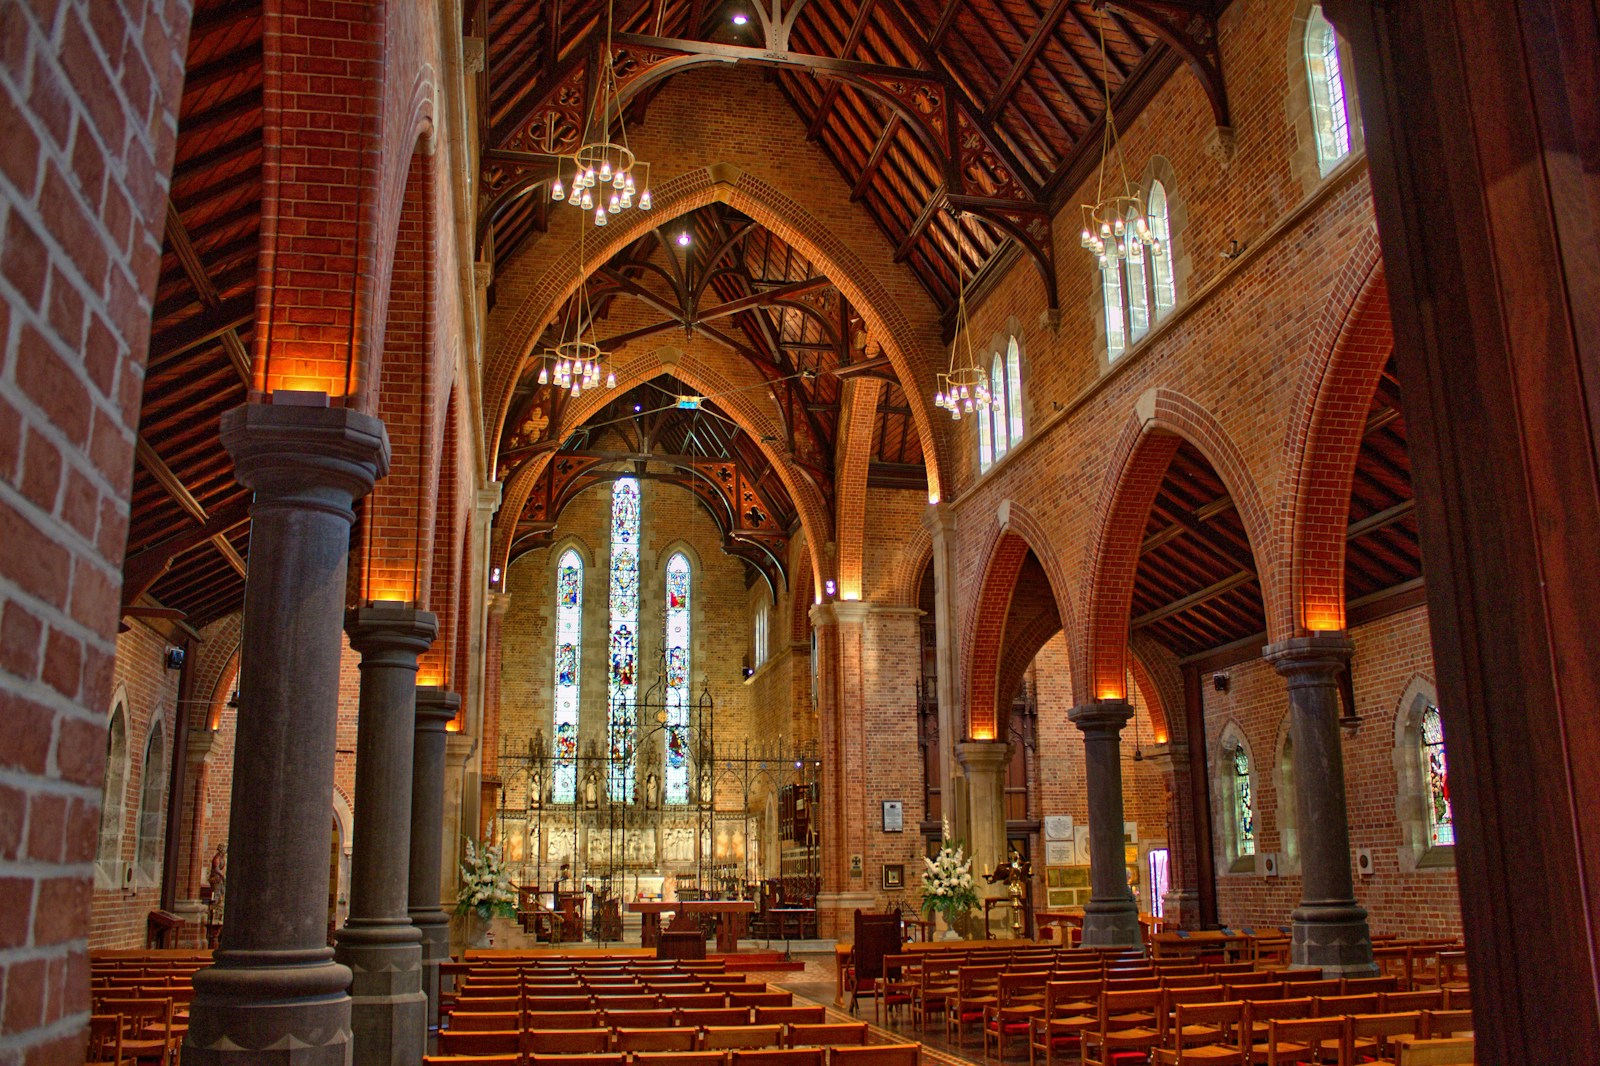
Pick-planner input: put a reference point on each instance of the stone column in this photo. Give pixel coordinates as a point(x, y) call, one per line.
point(840, 628)
point(1181, 904)
point(378, 942)
point(274, 993)
point(1330, 928)
point(984, 762)
point(940, 521)
point(1111, 918)
point(435, 709)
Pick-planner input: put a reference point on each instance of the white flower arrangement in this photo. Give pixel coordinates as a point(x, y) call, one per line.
point(947, 883)
point(485, 886)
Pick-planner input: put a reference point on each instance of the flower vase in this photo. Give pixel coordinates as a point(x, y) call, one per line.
point(477, 930)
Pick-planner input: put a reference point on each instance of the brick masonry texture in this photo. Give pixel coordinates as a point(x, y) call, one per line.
point(88, 100)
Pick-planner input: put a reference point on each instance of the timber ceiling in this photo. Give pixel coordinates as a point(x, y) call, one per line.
point(188, 536)
point(960, 125)
point(1196, 588)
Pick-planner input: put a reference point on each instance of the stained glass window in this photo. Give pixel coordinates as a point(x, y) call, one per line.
point(1111, 287)
point(1330, 115)
point(1244, 804)
point(624, 672)
point(997, 389)
point(1441, 823)
point(677, 645)
point(569, 654)
point(1166, 289)
point(1014, 389)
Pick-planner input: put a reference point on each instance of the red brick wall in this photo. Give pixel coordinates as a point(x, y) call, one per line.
point(88, 97)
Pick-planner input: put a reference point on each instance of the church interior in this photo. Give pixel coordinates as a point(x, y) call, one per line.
point(799, 532)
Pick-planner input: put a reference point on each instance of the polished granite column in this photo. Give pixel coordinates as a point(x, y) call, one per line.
point(1111, 917)
point(274, 993)
point(435, 708)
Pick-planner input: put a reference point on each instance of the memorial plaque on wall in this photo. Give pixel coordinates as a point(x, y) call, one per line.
point(1058, 827)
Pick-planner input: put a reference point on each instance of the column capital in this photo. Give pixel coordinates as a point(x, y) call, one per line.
point(840, 613)
point(488, 497)
point(390, 627)
point(1106, 717)
point(198, 745)
point(436, 707)
point(319, 457)
point(980, 756)
point(498, 603)
point(939, 519)
point(1317, 655)
point(1168, 757)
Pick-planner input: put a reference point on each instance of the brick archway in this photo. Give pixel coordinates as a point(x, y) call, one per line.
point(1015, 533)
point(886, 321)
point(741, 404)
point(1349, 349)
point(1161, 422)
point(905, 586)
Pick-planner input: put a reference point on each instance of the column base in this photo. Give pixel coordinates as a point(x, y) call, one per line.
point(275, 1008)
point(1182, 909)
point(434, 925)
point(836, 912)
point(1111, 924)
point(388, 1009)
point(1334, 938)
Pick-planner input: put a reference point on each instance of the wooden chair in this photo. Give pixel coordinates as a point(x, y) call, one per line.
point(611, 1003)
point(639, 1019)
point(1442, 1023)
point(472, 1060)
point(810, 1056)
point(105, 1041)
point(760, 999)
point(1355, 986)
point(499, 1005)
point(719, 1016)
point(1304, 1040)
point(456, 1042)
point(1458, 999)
point(536, 1002)
point(876, 1055)
point(977, 987)
point(1300, 989)
point(1126, 1024)
point(898, 986)
point(1334, 1006)
point(1452, 1051)
point(565, 1041)
point(791, 1015)
point(694, 1000)
point(583, 1019)
point(837, 1033)
point(1378, 1034)
point(1258, 1016)
point(1021, 996)
point(680, 1058)
point(1198, 1035)
point(147, 1032)
point(577, 1060)
point(1071, 1008)
point(677, 1039)
point(473, 1021)
point(1422, 999)
point(936, 984)
point(714, 1037)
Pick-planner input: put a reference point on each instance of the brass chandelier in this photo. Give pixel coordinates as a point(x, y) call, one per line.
point(1114, 226)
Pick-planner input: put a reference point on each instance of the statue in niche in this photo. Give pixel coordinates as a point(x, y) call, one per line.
point(217, 879)
point(652, 789)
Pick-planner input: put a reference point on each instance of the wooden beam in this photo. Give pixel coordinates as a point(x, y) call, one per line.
point(1194, 599)
point(1200, 515)
point(875, 160)
point(145, 568)
point(1030, 52)
point(195, 270)
point(1374, 522)
point(175, 487)
point(929, 209)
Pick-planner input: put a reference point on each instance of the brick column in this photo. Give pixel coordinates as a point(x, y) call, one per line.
point(494, 619)
point(940, 521)
point(1330, 928)
point(379, 943)
point(274, 993)
point(1111, 918)
point(839, 627)
point(1181, 904)
point(984, 762)
point(435, 708)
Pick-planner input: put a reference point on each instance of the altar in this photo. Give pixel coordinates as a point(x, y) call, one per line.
point(731, 916)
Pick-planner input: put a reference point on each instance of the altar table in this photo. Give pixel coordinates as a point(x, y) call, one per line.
point(731, 915)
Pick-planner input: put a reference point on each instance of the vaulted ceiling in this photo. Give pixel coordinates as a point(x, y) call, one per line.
point(960, 124)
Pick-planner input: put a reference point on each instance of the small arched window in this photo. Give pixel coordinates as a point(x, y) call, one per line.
point(1001, 427)
point(108, 854)
point(1140, 290)
point(677, 650)
point(1330, 113)
point(147, 852)
point(568, 670)
point(1235, 794)
point(1244, 802)
point(1288, 819)
point(763, 620)
point(1441, 821)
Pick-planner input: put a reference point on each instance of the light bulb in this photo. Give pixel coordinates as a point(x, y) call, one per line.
point(576, 388)
point(938, 398)
point(627, 200)
point(1117, 226)
point(544, 373)
point(967, 406)
point(1085, 238)
point(588, 201)
point(605, 170)
point(644, 200)
point(557, 192)
point(1122, 249)
point(955, 413)
point(1105, 230)
point(611, 380)
point(588, 177)
point(600, 216)
point(1155, 247)
point(616, 201)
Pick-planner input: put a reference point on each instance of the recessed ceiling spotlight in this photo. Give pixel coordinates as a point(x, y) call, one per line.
point(683, 239)
point(740, 19)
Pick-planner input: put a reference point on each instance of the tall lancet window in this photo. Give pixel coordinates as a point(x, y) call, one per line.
point(677, 646)
point(569, 659)
point(624, 680)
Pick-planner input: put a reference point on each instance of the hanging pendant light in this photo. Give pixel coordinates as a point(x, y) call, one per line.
point(1114, 226)
point(963, 389)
